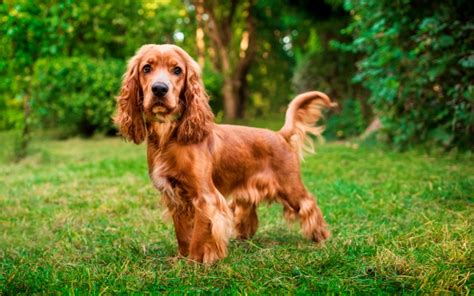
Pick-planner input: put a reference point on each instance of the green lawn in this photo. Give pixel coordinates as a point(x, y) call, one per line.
point(81, 216)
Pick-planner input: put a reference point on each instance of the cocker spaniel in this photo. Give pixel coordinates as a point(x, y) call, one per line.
point(195, 163)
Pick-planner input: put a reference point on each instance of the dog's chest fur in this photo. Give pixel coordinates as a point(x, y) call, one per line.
point(161, 181)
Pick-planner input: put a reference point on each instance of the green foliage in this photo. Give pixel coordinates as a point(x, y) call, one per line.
point(286, 30)
point(81, 217)
point(418, 67)
point(76, 94)
point(415, 59)
point(11, 109)
point(32, 30)
point(89, 27)
point(28, 30)
point(348, 122)
point(313, 71)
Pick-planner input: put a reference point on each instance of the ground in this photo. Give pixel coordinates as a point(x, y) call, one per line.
point(81, 216)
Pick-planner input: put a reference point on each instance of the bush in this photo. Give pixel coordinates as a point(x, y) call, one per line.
point(76, 95)
point(418, 66)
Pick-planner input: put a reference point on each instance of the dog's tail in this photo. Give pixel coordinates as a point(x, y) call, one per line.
point(301, 117)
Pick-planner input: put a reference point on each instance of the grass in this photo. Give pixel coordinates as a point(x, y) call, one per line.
point(81, 217)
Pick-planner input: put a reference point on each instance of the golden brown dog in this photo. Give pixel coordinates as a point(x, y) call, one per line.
point(195, 162)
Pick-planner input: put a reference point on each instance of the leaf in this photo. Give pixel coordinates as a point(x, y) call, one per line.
point(467, 62)
point(445, 41)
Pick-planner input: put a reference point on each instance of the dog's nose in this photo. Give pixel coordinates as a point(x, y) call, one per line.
point(159, 89)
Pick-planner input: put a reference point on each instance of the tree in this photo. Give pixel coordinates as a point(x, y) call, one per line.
point(231, 32)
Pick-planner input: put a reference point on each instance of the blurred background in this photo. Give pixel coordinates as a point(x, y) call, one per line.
point(401, 71)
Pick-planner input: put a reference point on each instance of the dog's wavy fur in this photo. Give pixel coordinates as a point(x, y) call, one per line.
point(195, 162)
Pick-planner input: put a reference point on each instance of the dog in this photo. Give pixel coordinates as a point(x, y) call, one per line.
point(196, 163)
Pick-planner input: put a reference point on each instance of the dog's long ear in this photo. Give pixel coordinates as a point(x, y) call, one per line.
point(196, 122)
point(128, 116)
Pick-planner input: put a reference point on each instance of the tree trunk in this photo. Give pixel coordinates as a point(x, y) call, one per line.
point(235, 94)
point(373, 127)
point(231, 99)
point(21, 152)
point(200, 44)
point(243, 96)
point(232, 62)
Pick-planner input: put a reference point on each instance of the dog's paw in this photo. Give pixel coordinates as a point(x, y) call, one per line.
point(209, 254)
point(320, 235)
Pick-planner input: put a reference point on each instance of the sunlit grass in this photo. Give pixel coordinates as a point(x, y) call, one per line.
point(82, 216)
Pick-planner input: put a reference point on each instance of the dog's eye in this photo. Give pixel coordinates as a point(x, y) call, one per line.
point(146, 68)
point(177, 70)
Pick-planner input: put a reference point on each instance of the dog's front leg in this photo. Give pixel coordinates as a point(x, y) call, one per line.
point(183, 219)
point(212, 228)
point(183, 225)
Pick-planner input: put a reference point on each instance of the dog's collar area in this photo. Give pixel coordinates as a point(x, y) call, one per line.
point(162, 119)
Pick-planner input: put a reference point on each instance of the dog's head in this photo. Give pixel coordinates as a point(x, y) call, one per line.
point(163, 83)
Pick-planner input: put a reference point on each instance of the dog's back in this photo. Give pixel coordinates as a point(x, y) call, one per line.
point(250, 158)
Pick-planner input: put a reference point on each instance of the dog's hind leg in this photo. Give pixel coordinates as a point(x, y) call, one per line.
point(245, 217)
point(299, 203)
